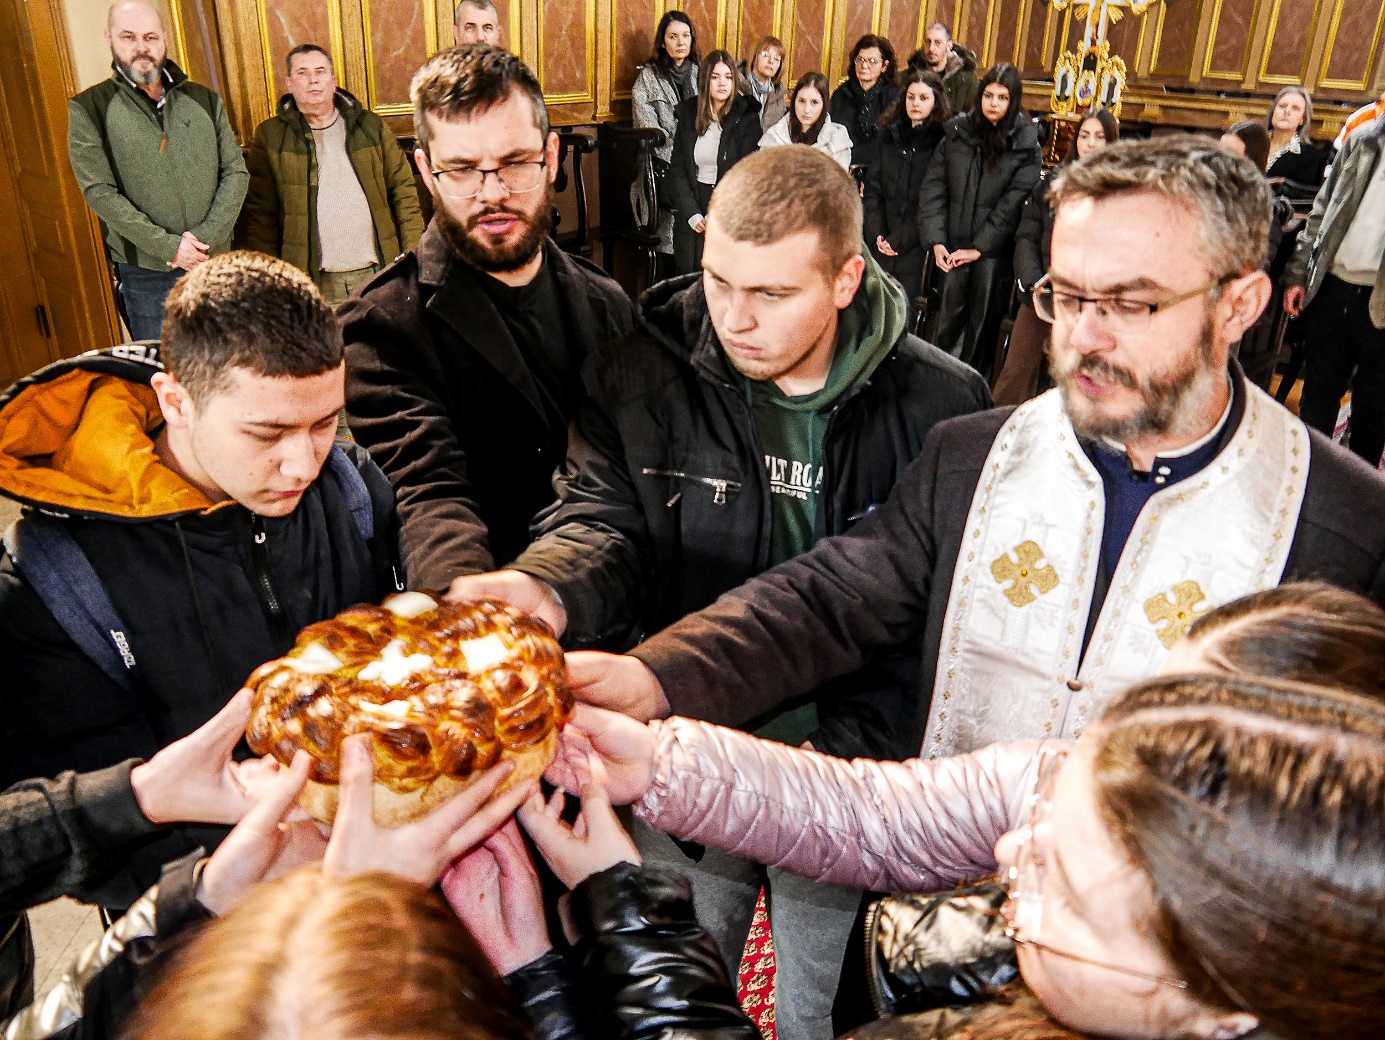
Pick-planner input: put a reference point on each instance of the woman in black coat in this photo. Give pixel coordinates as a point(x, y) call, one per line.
point(1018, 380)
point(866, 95)
point(969, 208)
point(910, 131)
point(1293, 156)
point(716, 130)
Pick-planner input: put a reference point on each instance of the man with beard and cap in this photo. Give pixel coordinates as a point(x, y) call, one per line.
point(157, 160)
point(1051, 554)
point(464, 355)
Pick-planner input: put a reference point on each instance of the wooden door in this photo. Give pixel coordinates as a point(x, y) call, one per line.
point(48, 227)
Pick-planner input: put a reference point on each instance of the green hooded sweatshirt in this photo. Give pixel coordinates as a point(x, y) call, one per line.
point(791, 430)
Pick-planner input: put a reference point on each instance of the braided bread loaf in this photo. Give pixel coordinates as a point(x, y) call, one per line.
point(446, 690)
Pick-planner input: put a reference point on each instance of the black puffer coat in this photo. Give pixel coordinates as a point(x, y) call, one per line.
point(1034, 238)
point(860, 111)
point(962, 204)
point(893, 184)
point(740, 135)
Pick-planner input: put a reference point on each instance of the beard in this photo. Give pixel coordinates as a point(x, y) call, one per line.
point(143, 79)
point(466, 241)
point(1172, 402)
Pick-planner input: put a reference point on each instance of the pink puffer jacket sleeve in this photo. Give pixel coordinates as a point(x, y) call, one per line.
point(909, 826)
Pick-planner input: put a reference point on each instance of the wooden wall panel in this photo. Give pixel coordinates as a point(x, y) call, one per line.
point(1037, 44)
point(566, 59)
point(406, 36)
point(973, 18)
point(902, 23)
point(1289, 37)
point(757, 19)
point(807, 37)
point(1005, 32)
point(704, 18)
point(1175, 38)
point(1228, 47)
point(632, 29)
point(855, 22)
point(1352, 43)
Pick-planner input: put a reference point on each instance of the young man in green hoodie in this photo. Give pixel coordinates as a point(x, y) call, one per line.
point(759, 406)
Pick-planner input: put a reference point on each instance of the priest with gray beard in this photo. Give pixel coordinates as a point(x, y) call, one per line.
point(1050, 555)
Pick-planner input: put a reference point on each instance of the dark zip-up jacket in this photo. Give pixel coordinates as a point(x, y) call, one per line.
point(963, 205)
point(207, 593)
point(740, 135)
point(886, 582)
point(1034, 237)
point(439, 393)
point(281, 205)
point(664, 502)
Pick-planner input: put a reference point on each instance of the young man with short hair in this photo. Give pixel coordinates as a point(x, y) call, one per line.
point(477, 21)
point(189, 512)
point(953, 62)
point(331, 191)
point(768, 403)
point(1048, 556)
point(465, 353)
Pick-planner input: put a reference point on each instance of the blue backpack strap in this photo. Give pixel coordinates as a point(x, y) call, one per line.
point(354, 490)
point(55, 567)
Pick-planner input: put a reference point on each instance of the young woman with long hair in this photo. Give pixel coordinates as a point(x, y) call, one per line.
point(807, 121)
point(1205, 861)
point(969, 209)
point(869, 90)
point(716, 130)
point(1018, 379)
point(666, 79)
point(762, 79)
point(911, 130)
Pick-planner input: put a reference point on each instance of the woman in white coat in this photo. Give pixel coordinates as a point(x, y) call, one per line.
point(807, 122)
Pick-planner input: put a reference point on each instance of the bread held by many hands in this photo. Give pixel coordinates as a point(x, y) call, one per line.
point(446, 690)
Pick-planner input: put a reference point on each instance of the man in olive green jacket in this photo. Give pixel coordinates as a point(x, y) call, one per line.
point(157, 161)
point(331, 191)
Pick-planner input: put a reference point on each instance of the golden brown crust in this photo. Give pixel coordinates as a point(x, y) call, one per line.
point(445, 694)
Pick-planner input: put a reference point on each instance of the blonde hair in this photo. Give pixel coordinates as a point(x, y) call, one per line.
point(777, 192)
point(312, 958)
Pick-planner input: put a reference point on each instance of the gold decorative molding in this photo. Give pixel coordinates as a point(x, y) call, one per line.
point(430, 47)
point(1372, 54)
point(572, 97)
point(1237, 75)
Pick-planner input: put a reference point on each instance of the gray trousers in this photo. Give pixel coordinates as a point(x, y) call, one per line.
point(811, 923)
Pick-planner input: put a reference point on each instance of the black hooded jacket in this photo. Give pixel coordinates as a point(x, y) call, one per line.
point(207, 594)
point(963, 205)
point(664, 503)
point(892, 193)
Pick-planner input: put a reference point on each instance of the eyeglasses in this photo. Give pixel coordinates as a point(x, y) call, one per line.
point(1024, 881)
point(516, 178)
point(868, 63)
point(1119, 313)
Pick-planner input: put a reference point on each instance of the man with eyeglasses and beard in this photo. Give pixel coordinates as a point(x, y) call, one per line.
point(464, 355)
point(1050, 555)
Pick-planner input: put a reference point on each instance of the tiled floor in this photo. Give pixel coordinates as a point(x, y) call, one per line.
point(61, 929)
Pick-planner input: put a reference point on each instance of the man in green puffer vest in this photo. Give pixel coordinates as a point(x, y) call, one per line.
point(331, 191)
point(156, 159)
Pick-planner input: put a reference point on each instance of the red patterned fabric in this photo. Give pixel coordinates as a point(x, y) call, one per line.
point(756, 978)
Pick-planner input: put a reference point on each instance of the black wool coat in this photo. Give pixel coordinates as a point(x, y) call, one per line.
point(740, 135)
point(963, 205)
point(439, 393)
